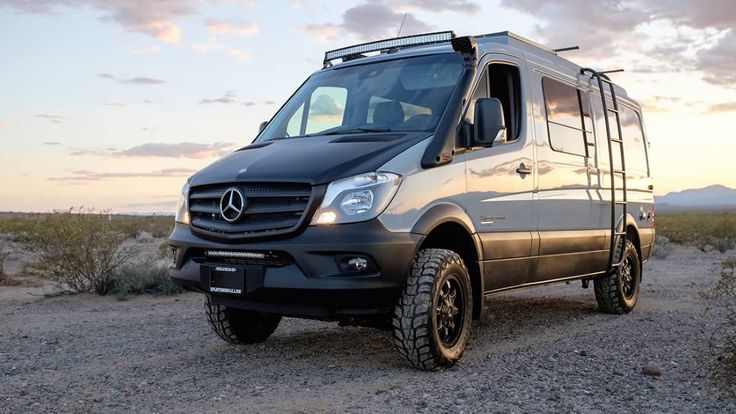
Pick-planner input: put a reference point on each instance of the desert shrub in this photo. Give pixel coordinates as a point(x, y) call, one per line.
point(3, 255)
point(78, 249)
point(703, 229)
point(157, 226)
point(722, 299)
point(662, 247)
point(147, 277)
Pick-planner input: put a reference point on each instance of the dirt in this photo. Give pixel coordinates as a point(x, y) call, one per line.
point(539, 350)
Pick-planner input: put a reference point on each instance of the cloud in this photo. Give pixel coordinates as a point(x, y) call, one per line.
point(719, 61)
point(153, 18)
point(368, 21)
point(668, 35)
point(138, 80)
point(462, 6)
point(164, 150)
point(77, 176)
point(231, 27)
point(54, 119)
point(118, 104)
point(227, 98)
point(52, 143)
point(325, 105)
point(723, 107)
point(699, 14)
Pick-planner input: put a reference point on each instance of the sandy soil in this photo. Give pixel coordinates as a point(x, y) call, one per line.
point(539, 350)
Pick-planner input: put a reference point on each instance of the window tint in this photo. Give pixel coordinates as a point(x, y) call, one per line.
point(326, 108)
point(636, 156)
point(411, 113)
point(565, 117)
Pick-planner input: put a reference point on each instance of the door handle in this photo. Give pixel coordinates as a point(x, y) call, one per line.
point(523, 170)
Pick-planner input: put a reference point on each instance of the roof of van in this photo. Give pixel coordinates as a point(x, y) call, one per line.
point(494, 42)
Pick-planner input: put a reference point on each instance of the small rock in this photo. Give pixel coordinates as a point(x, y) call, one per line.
point(652, 371)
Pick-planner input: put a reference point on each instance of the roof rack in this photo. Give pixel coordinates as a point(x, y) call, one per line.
point(356, 51)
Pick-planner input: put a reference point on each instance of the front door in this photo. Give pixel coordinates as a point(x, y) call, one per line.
point(500, 179)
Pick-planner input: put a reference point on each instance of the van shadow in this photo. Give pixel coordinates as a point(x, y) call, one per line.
point(309, 347)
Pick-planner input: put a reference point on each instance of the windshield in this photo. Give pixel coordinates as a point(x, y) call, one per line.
point(396, 95)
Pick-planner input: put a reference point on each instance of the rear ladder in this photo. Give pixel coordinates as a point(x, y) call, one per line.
point(617, 232)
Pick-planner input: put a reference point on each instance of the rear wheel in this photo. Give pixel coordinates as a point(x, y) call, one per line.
point(240, 326)
point(618, 292)
point(432, 318)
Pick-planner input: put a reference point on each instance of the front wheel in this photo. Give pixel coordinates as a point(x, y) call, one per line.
point(618, 291)
point(240, 326)
point(432, 318)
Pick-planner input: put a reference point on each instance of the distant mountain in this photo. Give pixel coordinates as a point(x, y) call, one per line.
point(715, 196)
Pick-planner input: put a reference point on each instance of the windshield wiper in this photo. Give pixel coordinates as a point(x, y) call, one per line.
point(354, 131)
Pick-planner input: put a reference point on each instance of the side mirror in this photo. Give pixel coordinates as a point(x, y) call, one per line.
point(262, 126)
point(489, 128)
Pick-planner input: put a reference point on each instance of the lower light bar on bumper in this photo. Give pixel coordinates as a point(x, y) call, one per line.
point(234, 255)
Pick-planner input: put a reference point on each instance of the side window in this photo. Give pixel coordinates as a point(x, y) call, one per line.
point(504, 83)
point(633, 135)
point(326, 108)
point(565, 117)
point(481, 91)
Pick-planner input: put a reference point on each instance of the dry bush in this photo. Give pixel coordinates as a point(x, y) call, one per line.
point(705, 230)
point(3, 255)
point(78, 249)
point(722, 299)
point(662, 247)
point(147, 277)
point(157, 226)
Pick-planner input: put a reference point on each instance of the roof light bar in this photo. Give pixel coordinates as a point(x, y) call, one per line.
point(405, 41)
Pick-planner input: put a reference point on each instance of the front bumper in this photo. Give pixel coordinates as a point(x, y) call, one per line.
point(310, 279)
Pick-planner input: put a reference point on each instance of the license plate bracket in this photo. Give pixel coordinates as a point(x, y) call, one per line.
point(226, 279)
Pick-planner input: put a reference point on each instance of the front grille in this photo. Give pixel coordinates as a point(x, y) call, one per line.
point(271, 208)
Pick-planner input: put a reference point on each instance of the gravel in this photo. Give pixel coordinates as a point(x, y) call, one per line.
point(539, 350)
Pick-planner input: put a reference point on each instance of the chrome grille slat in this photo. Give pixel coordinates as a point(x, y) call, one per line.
point(270, 207)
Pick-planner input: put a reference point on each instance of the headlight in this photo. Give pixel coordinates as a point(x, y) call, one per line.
point(182, 208)
point(359, 198)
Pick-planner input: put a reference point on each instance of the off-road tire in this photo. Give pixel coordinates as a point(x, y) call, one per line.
point(415, 320)
point(610, 289)
point(240, 326)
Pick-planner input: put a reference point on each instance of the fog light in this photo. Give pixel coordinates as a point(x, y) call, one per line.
point(173, 256)
point(327, 217)
point(358, 264)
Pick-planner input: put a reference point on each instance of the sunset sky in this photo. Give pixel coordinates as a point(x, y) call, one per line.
point(113, 104)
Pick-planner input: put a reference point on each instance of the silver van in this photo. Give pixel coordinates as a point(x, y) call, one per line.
point(409, 179)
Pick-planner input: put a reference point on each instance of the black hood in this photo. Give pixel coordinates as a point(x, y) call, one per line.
point(315, 160)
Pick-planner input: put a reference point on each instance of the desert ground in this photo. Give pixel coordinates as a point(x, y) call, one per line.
point(539, 350)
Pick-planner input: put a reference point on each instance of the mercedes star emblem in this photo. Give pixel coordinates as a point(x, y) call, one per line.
point(232, 204)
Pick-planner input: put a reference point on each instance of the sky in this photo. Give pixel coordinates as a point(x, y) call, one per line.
point(113, 104)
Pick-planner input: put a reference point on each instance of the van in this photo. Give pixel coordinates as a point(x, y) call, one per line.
point(409, 179)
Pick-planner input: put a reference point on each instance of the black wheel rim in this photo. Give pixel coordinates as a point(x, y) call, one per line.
point(628, 277)
point(450, 311)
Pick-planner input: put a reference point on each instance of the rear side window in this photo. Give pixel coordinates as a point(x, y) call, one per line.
point(634, 146)
point(568, 117)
